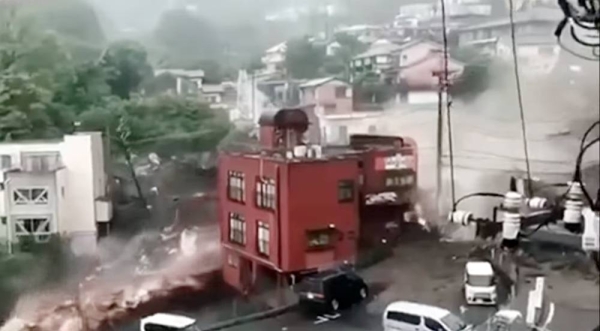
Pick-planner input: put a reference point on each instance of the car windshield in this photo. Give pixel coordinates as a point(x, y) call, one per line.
point(453, 322)
point(314, 285)
point(480, 280)
point(159, 327)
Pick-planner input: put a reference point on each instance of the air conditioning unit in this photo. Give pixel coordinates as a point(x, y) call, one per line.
point(317, 151)
point(300, 151)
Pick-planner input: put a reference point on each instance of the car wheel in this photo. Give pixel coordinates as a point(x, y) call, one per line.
point(335, 305)
point(363, 293)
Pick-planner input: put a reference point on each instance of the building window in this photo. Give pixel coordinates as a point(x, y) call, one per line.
point(319, 239)
point(233, 260)
point(30, 196)
point(346, 191)
point(236, 186)
point(38, 227)
point(372, 129)
point(343, 134)
point(381, 59)
point(263, 238)
point(5, 161)
point(265, 193)
point(237, 229)
point(340, 92)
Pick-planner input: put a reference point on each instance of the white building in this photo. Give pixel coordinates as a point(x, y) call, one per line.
point(193, 77)
point(55, 187)
point(274, 58)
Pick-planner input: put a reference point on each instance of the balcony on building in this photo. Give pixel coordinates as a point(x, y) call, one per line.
point(41, 162)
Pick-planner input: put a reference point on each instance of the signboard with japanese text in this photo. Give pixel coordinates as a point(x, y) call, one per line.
point(394, 162)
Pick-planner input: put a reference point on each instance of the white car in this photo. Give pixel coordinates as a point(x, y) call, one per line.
point(480, 283)
point(168, 322)
point(411, 316)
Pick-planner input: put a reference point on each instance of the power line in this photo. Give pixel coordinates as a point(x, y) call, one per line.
point(519, 96)
point(448, 102)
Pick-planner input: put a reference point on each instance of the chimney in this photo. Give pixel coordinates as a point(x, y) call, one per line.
point(282, 129)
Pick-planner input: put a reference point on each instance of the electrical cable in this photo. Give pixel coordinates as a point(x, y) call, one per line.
point(583, 57)
point(577, 177)
point(550, 219)
point(586, 134)
point(519, 96)
point(477, 194)
point(448, 103)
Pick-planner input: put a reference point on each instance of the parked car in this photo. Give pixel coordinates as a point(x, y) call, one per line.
point(480, 283)
point(168, 322)
point(411, 316)
point(332, 290)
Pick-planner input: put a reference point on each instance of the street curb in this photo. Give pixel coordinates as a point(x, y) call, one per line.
point(250, 318)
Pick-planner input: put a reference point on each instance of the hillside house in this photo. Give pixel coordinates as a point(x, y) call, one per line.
point(274, 58)
point(330, 95)
point(55, 187)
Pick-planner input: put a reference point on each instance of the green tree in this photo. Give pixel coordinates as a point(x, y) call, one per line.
point(303, 59)
point(72, 19)
point(339, 63)
point(186, 38)
point(164, 124)
point(126, 64)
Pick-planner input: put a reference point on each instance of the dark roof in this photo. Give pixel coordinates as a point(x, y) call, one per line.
point(290, 117)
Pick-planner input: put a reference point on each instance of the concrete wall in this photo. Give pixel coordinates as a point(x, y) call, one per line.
point(72, 190)
point(325, 99)
point(415, 54)
point(332, 126)
point(307, 209)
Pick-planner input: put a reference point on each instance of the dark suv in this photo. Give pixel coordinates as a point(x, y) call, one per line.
point(331, 290)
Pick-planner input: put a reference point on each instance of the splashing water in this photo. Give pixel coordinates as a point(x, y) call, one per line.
point(101, 302)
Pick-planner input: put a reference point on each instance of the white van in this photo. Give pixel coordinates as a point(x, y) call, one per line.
point(480, 283)
point(410, 316)
point(167, 322)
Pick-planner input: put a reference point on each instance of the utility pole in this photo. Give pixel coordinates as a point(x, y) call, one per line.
point(253, 82)
point(439, 147)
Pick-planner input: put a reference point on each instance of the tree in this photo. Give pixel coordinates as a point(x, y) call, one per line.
point(126, 64)
point(167, 125)
point(303, 59)
point(186, 38)
point(339, 63)
point(72, 19)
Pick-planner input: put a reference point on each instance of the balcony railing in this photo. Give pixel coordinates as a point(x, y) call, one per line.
point(40, 162)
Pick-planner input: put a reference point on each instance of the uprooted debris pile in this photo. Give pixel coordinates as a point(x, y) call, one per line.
point(190, 258)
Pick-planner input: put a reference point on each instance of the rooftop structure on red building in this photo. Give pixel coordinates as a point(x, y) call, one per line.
point(289, 207)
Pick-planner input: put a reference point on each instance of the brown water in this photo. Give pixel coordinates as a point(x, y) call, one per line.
point(101, 302)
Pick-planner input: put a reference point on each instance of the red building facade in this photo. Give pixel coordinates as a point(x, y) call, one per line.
point(291, 208)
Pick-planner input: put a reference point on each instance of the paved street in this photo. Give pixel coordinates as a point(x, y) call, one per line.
point(436, 280)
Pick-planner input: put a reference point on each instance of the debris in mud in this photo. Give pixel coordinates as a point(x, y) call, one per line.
point(101, 302)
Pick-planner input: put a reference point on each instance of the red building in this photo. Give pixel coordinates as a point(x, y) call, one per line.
point(289, 208)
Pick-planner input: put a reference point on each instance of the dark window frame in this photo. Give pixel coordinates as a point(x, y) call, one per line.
point(319, 234)
point(437, 326)
point(263, 244)
point(266, 194)
point(236, 186)
point(237, 229)
point(403, 317)
point(340, 92)
point(345, 190)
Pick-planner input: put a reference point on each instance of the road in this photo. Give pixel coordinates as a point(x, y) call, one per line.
point(437, 280)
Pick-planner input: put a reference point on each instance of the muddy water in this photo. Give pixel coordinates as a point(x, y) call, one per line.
point(101, 302)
